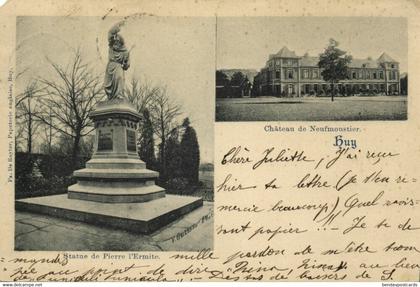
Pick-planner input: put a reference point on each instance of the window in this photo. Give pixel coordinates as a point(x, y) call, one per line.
point(367, 75)
point(360, 75)
point(277, 74)
point(354, 76)
point(305, 74)
point(392, 66)
point(394, 75)
point(315, 74)
point(381, 74)
point(285, 61)
point(277, 62)
point(374, 75)
point(290, 74)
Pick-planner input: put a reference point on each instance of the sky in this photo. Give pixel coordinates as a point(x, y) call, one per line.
point(246, 42)
point(175, 52)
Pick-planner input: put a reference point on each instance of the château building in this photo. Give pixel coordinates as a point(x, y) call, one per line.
point(286, 74)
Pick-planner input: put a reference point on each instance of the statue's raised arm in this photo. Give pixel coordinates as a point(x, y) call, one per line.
point(118, 62)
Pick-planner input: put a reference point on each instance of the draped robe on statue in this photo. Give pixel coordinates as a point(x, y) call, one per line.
point(118, 62)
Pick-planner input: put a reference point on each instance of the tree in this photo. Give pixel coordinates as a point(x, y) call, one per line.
point(48, 134)
point(190, 152)
point(146, 140)
point(238, 79)
point(27, 111)
point(173, 155)
point(255, 87)
point(404, 85)
point(246, 87)
point(239, 83)
point(221, 79)
point(70, 98)
point(64, 146)
point(333, 63)
point(141, 95)
point(163, 112)
point(222, 84)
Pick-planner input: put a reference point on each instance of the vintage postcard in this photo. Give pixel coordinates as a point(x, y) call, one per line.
point(210, 141)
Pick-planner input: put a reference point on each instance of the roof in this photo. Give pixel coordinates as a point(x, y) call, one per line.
point(310, 61)
point(364, 63)
point(286, 53)
point(385, 58)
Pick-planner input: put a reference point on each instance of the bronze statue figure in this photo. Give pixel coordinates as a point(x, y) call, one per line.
point(118, 62)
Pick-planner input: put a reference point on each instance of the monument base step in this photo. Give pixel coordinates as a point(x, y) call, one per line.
point(142, 217)
point(113, 173)
point(115, 192)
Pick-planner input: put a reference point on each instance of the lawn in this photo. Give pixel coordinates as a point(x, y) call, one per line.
point(312, 109)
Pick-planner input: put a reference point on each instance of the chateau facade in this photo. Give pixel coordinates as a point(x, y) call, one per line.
point(286, 74)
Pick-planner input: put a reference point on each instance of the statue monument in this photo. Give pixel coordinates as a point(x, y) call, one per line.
point(118, 62)
point(115, 189)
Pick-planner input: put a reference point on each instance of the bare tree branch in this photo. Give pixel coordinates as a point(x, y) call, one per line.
point(69, 98)
point(27, 112)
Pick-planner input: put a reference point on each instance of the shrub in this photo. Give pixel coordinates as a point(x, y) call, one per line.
point(40, 186)
point(178, 184)
point(53, 176)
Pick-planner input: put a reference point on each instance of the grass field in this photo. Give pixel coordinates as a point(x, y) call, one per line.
point(312, 109)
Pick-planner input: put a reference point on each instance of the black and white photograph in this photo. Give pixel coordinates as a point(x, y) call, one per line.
point(114, 133)
point(311, 69)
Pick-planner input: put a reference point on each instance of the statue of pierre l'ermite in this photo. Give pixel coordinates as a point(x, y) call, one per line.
point(118, 62)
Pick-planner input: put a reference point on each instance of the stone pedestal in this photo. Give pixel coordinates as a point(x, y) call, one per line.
point(115, 173)
point(115, 189)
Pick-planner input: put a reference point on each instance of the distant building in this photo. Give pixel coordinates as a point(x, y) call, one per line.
point(286, 74)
